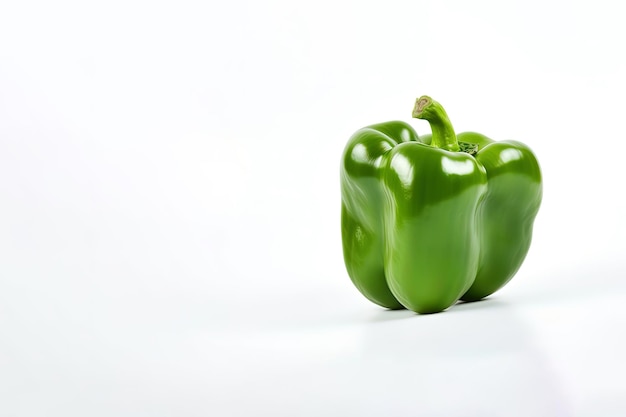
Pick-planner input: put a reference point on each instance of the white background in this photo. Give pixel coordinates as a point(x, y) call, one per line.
point(169, 208)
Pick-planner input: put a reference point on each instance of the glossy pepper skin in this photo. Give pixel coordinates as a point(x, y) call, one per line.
point(429, 220)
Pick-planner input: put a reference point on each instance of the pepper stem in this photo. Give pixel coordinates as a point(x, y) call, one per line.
point(443, 133)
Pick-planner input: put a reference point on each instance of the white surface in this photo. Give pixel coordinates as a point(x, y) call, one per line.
point(169, 208)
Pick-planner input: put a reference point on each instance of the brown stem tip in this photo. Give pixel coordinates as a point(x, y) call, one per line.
point(420, 104)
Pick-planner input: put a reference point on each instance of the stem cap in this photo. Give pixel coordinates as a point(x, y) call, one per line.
point(420, 105)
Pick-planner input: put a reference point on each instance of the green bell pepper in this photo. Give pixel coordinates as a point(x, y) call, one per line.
point(429, 220)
